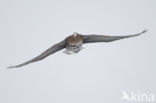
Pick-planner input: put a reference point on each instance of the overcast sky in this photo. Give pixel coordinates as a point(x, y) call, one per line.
point(97, 74)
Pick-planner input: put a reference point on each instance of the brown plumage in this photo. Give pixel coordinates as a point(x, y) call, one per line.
point(73, 44)
point(73, 40)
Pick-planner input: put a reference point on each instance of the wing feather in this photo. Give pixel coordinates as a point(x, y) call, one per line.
point(103, 38)
point(43, 55)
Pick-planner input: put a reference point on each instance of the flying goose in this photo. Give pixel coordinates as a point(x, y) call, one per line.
point(73, 44)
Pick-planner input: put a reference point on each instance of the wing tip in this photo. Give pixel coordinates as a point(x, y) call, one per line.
point(144, 31)
point(10, 67)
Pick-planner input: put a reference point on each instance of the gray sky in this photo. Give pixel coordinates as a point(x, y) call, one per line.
point(97, 74)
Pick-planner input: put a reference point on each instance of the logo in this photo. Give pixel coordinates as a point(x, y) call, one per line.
point(137, 96)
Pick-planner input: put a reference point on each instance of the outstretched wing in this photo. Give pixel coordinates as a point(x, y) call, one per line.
point(104, 38)
point(46, 53)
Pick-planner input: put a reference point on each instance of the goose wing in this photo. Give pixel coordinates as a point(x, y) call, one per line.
point(103, 38)
point(51, 50)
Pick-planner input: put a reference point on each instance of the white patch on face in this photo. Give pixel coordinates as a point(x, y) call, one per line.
point(75, 34)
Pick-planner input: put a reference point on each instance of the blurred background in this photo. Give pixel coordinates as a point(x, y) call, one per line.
point(97, 74)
